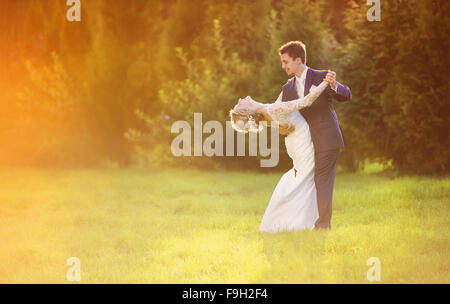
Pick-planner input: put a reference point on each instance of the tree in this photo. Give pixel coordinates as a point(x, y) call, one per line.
point(397, 74)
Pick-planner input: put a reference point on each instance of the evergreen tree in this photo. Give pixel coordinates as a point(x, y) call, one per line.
point(397, 72)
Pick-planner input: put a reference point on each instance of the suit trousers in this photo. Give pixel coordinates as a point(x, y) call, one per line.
point(324, 173)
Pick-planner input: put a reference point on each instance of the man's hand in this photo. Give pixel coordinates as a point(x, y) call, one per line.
point(331, 79)
point(286, 129)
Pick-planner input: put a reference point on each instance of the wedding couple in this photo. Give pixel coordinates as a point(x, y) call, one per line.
point(303, 197)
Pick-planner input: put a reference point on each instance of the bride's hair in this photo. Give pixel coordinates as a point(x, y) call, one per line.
point(245, 122)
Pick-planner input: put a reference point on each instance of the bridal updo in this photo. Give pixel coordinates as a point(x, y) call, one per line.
point(245, 122)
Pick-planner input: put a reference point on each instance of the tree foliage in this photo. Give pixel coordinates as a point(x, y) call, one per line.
point(396, 69)
point(108, 88)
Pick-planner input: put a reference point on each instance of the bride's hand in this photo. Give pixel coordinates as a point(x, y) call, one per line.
point(330, 78)
point(248, 105)
point(249, 98)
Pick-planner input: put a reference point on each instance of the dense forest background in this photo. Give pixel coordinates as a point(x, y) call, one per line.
point(105, 91)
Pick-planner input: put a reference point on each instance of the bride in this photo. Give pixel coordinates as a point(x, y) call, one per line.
point(293, 205)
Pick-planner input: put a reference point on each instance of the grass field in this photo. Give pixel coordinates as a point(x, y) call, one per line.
point(188, 226)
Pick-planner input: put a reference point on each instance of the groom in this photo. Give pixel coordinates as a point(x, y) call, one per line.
point(322, 120)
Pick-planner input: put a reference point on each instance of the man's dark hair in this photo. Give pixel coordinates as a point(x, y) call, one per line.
point(294, 49)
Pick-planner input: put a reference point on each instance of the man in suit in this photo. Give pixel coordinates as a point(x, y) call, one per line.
point(323, 124)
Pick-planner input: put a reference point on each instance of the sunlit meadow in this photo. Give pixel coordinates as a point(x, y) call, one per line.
point(189, 226)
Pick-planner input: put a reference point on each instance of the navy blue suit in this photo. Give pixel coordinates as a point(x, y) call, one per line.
point(326, 136)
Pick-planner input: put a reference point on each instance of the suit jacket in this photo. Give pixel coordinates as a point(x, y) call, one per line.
point(323, 123)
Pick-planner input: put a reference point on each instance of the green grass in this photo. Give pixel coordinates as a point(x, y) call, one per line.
point(188, 226)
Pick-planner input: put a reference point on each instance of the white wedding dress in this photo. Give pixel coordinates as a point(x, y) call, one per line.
point(293, 205)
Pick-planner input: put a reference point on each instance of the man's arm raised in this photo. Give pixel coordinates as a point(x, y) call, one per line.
point(336, 90)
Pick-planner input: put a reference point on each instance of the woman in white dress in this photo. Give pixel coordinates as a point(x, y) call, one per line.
point(293, 205)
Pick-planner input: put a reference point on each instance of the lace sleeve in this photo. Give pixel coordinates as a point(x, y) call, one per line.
point(297, 104)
